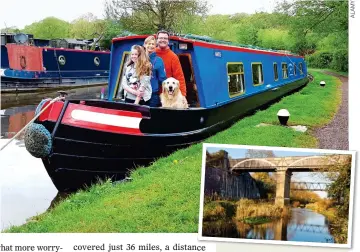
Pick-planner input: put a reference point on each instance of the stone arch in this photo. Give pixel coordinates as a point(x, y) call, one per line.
point(261, 163)
point(314, 160)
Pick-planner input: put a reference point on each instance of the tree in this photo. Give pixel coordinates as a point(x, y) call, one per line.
point(253, 153)
point(264, 180)
point(112, 30)
point(11, 29)
point(49, 28)
point(315, 16)
point(339, 189)
point(87, 26)
point(147, 16)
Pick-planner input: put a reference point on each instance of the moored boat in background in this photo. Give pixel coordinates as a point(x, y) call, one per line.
point(28, 63)
point(84, 140)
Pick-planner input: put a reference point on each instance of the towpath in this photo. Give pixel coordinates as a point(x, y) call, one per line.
point(335, 134)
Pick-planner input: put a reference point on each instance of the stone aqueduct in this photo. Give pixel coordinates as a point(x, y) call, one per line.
point(284, 166)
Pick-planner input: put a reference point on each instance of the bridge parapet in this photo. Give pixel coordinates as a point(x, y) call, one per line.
point(301, 163)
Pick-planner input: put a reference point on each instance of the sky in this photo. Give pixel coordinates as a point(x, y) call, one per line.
point(24, 12)
point(240, 152)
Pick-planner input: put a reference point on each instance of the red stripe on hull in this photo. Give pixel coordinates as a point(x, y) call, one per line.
point(51, 113)
point(73, 106)
point(98, 126)
point(69, 120)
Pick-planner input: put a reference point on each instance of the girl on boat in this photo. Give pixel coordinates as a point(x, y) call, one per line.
point(158, 71)
point(137, 77)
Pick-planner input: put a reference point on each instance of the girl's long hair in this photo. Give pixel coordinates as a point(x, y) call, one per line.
point(143, 65)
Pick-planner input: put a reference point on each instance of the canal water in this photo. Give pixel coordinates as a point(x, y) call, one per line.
point(26, 189)
point(303, 226)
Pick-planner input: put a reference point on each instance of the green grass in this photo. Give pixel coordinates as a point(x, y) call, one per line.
point(165, 197)
point(346, 74)
point(257, 220)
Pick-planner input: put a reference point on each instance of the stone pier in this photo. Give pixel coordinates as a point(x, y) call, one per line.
point(283, 179)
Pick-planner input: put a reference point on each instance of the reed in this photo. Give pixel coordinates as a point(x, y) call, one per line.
point(251, 211)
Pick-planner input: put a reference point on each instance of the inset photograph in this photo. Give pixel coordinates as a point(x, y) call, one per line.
point(277, 195)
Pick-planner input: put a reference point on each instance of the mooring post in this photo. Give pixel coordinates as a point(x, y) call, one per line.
point(283, 179)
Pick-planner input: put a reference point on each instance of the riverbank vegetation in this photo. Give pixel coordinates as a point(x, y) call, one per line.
point(218, 210)
point(258, 212)
point(252, 212)
point(337, 206)
point(165, 196)
point(317, 30)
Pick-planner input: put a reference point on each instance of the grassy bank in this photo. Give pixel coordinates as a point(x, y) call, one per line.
point(252, 212)
point(165, 196)
point(323, 70)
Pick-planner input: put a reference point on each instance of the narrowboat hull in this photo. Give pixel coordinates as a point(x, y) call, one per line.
point(15, 84)
point(41, 68)
point(81, 156)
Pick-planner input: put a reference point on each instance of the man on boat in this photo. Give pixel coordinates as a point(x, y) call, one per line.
point(171, 60)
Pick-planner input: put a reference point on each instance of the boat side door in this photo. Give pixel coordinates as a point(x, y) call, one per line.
point(191, 88)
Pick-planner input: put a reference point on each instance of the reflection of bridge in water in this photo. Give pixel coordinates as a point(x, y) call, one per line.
point(284, 167)
point(281, 230)
point(320, 229)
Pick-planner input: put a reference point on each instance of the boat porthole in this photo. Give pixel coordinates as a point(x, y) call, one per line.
point(96, 61)
point(62, 60)
point(23, 62)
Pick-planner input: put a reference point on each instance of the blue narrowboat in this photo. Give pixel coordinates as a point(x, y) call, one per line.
point(28, 63)
point(84, 140)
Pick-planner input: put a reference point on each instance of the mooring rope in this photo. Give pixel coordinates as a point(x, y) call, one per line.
point(35, 117)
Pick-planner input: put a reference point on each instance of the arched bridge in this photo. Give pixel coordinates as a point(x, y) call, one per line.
point(284, 166)
point(298, 164)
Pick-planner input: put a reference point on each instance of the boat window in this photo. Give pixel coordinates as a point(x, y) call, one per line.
point(276, 74)
point(301, 68)
point(284, 67)
point(235, 72)
point(119, 91)
point(295, 69)
point(257, 73)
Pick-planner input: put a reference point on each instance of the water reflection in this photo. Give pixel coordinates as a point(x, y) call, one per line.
point(26, 189)
point(20, 99)
point(304, 225)
point(14, 119)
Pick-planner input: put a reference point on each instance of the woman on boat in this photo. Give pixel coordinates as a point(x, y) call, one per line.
point(137, 77)
point(158, 71)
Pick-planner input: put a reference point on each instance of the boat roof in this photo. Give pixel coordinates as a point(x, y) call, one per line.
point(205, 41)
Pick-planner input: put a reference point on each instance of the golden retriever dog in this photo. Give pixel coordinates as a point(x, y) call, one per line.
point(171, 96)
